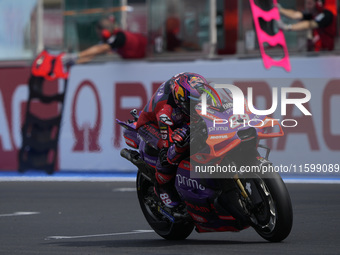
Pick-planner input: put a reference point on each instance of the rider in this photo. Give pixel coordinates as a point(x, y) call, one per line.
point(167, 118)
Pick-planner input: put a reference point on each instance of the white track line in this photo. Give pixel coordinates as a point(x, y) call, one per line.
point(125, 190)
point(99, 235)
point(19, 214)
point(66, 179)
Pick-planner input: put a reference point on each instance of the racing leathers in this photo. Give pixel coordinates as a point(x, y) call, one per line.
point(164, 127)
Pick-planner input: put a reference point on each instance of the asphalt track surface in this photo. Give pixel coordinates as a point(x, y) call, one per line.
point(104, 218)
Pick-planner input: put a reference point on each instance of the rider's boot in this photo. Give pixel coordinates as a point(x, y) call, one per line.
point(168, 194)
point(165, 176)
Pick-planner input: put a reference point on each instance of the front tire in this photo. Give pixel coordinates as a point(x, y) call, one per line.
point(275, 219)
point(162, 226)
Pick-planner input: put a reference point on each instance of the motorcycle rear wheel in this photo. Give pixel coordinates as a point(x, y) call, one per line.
point(160, 224)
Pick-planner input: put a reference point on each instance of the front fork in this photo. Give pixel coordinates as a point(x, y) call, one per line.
point(241, 187)
point(258, 161)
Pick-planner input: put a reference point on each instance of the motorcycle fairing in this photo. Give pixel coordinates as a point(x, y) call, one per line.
point(224, 138)
point(201, 203)
point(130, 134)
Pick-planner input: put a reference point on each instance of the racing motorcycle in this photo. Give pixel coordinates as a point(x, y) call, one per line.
point(232, 201)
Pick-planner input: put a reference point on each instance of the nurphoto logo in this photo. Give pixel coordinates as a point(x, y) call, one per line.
point(239, 104)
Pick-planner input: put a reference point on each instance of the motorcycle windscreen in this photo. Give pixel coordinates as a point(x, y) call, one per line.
point(208, 131)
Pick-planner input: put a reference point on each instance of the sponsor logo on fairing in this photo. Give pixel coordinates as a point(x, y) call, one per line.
point(218, 136)
point(191, 183)
point(130, 142)
point(211, 129)
point(198, 208)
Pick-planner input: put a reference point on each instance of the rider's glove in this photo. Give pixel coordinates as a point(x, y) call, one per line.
point(181, 137)
point(69, 59)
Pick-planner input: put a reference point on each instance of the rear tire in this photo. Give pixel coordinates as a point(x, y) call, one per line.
point(162, 226)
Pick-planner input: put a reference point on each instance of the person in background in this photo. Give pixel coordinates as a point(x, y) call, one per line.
point(173, 43)
point(172, 29)
point(127, 44)
point(319, 21)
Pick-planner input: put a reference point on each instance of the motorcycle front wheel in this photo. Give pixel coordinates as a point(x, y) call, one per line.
point(159, 223)
point(273, 217)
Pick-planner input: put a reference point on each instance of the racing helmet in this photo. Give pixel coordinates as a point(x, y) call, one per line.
point(187, 89)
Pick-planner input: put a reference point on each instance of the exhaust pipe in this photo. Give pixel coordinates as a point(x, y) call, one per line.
point(125, 153)
point(134, 158)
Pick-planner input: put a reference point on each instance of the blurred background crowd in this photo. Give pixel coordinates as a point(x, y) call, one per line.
point(175, 29)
